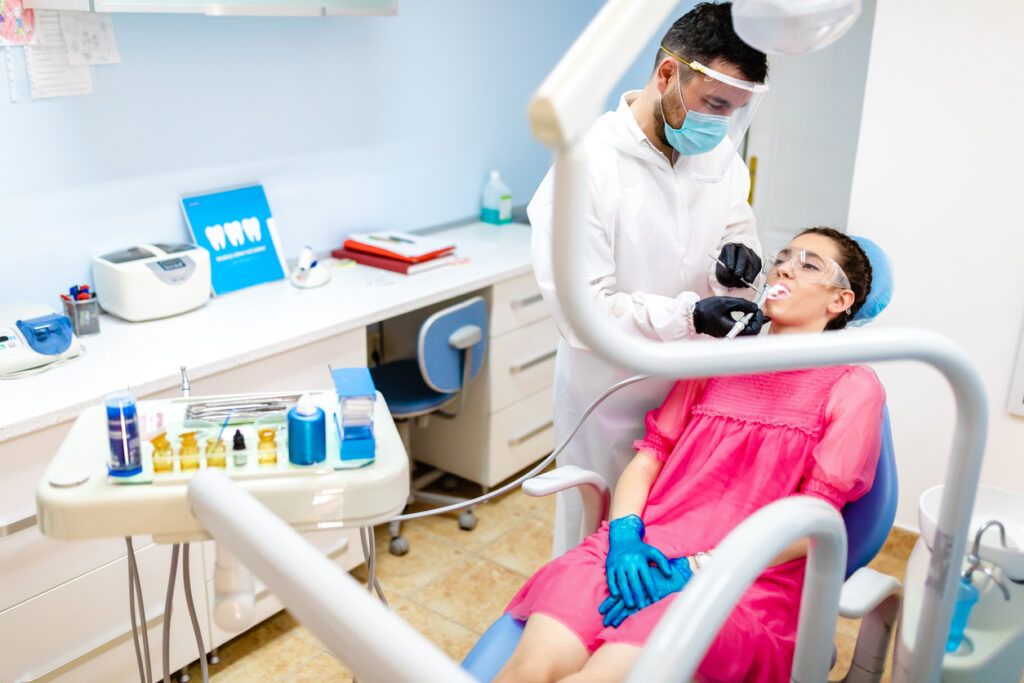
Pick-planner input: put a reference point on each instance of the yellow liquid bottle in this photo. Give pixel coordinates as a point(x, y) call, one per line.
point(266, 449)
point(216, 455)
point(189, 452)
point(163, 454)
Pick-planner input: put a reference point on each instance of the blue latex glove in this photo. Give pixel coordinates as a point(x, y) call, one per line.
point(628, 565)
point(615, 609)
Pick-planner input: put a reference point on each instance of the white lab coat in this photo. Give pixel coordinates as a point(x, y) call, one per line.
point(651, 230)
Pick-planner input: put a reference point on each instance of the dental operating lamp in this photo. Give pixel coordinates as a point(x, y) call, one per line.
point(563, 110)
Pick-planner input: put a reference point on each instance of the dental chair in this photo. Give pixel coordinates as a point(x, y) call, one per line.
point(449, 353)
point(868, 520)
point(866, 593)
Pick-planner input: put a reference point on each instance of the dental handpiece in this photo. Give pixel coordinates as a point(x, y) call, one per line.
point(742, 322)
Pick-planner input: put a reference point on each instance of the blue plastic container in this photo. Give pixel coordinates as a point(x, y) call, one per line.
point(123, 430)
point(307, 433)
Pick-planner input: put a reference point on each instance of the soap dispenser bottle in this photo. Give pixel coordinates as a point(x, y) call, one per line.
point(497, 201)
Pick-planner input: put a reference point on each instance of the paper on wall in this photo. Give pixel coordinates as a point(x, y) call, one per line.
point(50, 74)
point(90, 38)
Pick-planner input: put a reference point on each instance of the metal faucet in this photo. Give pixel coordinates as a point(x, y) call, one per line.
point(974, 558)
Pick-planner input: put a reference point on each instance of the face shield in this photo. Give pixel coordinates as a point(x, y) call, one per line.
point(805, 264)
point(719, 109)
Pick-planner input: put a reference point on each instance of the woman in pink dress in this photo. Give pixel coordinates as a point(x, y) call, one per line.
point(716, 451)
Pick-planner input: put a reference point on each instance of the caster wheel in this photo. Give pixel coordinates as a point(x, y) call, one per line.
point(449, 483)
point(184, 678)
point(213, 659)
point(399, 545)
point(467, 521)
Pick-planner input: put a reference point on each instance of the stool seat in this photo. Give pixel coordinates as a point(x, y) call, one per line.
point(402, 385)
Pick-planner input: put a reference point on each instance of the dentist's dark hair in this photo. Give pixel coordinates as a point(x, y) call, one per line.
point(704, 34)
point(855, 263)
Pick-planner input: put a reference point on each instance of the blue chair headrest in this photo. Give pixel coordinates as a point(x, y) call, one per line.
point(881, 282)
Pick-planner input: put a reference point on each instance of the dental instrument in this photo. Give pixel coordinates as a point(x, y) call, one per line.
point(719, 262)
point(742, 322)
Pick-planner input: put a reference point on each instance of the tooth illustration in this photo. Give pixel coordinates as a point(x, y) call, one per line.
point(233, 230)
point(215, 234)
point(251, 228)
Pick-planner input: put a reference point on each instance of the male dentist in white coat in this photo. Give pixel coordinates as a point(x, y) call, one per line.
point(668, 192)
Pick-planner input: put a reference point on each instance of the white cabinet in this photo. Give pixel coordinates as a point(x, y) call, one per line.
point(505, 424)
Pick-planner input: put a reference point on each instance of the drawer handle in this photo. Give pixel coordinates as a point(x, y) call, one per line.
point(26, 522)
point(528, 301)
point(516, 440)
point(527, 364)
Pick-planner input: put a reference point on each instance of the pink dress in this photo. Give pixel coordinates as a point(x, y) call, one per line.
point(730, 446)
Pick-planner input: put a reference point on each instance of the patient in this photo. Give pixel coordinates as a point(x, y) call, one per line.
point(716, 451)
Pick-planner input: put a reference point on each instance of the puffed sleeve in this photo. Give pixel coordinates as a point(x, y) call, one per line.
point(665, 423)
point(842, 467)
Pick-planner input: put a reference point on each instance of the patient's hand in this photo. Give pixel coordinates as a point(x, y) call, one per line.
point(615, 609)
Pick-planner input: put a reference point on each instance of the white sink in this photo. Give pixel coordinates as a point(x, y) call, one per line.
point(990, 504)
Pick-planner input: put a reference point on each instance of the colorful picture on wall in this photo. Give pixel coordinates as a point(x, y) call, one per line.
point(17, 24)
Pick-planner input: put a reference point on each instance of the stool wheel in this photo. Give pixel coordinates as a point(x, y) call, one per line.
point(399, 545)
point(467, 520)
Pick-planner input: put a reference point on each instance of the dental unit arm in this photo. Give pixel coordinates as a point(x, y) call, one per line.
point(561, 111)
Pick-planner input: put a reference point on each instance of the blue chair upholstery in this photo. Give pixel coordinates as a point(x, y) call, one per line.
point(422, 385)
point(868, 521)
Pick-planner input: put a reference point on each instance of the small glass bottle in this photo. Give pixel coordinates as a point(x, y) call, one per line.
point(266, 449)
point(189, 452)
point(239, 453)
point(163, 454)
point(215, 453)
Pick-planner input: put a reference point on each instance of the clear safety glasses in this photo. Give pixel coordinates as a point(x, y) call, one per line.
point(721, 95)
point(808, 265)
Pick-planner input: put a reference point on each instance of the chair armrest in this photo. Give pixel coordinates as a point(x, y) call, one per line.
point(593, 489)
point(875, 599)
point(865, 590)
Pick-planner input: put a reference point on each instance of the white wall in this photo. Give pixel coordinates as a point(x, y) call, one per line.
point(806, 142)
point(937, 182)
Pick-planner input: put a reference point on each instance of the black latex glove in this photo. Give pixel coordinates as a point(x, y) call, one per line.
point(742, 265)
point(714, 315)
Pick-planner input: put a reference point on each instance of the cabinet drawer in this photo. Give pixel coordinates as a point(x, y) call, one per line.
point(516, 302)
point(66, 627)
point(522, 362)
point(521, 434)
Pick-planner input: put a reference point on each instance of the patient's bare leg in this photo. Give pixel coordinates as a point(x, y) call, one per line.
point(609, 664)
point(548, 651)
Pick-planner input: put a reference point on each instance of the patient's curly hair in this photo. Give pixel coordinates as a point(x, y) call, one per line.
point(855, 264)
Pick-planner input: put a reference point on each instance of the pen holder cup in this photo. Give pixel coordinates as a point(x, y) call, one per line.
point(84, 315)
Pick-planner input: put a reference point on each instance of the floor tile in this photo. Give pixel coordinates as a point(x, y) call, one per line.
point(525, 549)
point(323, 667)
point(493, 519)
point(474, 593)
point(454, 639)
point(273, 660)
point(428, 558)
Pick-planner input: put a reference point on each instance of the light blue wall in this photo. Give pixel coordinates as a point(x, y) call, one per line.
point(350, 123)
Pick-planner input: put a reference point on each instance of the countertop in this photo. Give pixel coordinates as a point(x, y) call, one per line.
point(251, 324)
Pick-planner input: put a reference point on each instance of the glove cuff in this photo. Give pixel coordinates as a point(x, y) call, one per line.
point(626, 527)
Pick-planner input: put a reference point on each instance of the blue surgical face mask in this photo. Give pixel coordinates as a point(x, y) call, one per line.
point(699, 133)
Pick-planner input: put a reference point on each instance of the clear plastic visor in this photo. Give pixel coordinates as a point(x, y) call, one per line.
point(808, 265)
point(717, 94)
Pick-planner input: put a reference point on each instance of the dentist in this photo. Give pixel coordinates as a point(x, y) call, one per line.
point(667, 191)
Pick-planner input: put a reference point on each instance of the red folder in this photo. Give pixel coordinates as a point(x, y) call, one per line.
point(399, 246)
point(396, 265)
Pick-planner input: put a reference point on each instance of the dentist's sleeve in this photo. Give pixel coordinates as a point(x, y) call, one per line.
point(643, 314)
point(740, 228)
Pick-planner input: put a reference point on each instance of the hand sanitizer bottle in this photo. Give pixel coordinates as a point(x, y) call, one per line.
point(497, 201)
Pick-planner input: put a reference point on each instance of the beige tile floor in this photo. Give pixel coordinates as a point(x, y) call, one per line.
point(450, 586)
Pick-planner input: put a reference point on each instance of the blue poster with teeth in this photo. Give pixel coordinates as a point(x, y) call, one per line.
point(236, 227)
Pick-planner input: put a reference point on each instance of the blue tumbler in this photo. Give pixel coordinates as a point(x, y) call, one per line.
point(307, 433)
point(123, 430)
